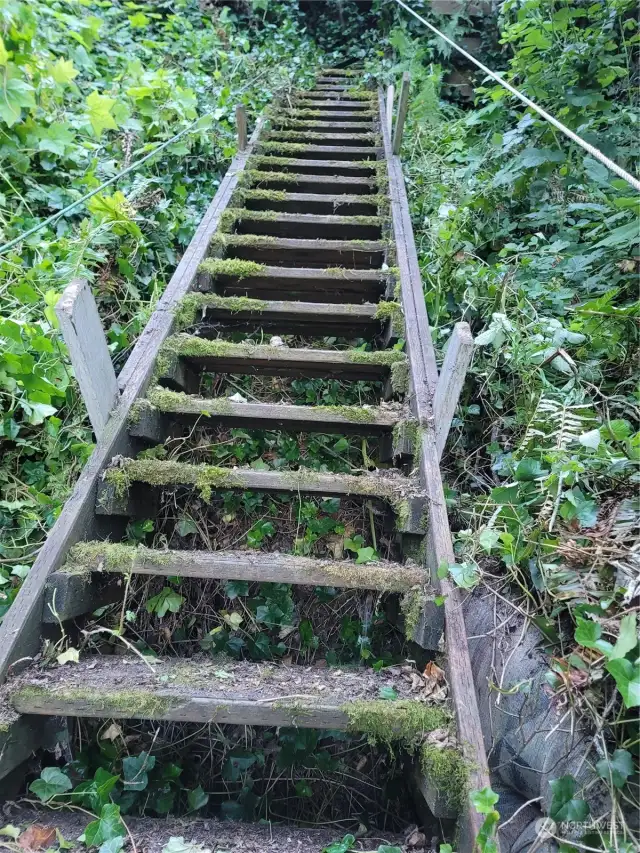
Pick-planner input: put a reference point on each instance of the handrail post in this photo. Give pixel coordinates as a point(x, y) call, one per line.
point(241, 125)
point(403, 104)
point(390, 96)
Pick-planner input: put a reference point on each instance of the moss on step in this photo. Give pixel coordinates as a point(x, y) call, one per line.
point(401, 722)
point(170, 473)
point(265, 195)
point(145, 704)
point(222, 238)
point(400, 377)
point(231, 267)
point(177, 401)
point(372, 575)
point(318, 137)
point(391, 311)
point(259, 160)
point(447, 771)
point(254, 176)
point(355, 414)
point(86, 557)
point(386, 357)
point(412, 605)
point(285, 147)
point(186, 311)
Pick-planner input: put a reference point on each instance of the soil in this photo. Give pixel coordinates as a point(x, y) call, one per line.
point(151, 834)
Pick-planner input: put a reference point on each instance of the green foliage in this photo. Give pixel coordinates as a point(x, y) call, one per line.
point(88, 89)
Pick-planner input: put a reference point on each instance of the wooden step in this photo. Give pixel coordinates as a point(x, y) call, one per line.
point(253, 566)
point(116, 494)
point(362, 168)
point(310, 152)
point(149, 421)
point(249, 359)
point(309, 225)
point(305, 182)
point(196, 691)
point(331, 105)
point(210, 313)
point(318, 203)
point(299, 137)
point(307, 284)
point(324, 127)
point(318, 114)
point(292, 252)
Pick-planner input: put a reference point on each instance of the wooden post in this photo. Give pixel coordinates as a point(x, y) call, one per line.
point(403, 105)
point(241, 124)
point(450, 381)
point(390, 96)
point(83, 334)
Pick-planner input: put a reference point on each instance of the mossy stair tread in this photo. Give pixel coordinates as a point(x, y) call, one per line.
point(312, 218)
point(387, 485)
point(202, 689)
point(336, 274)
point(319, 126)
point(327, 104)
point(219, 306)
point(337, 199)
point(266, 241)
point(306, 113)
point(226, 357)
point(352, 151)
point(240, 565)
point(259, 177)
point(300, 163)
point(335, 139)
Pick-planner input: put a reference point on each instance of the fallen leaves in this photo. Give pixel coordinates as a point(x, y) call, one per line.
point(37, 837)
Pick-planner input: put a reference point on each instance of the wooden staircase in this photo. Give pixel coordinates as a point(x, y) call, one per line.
point(308, 235)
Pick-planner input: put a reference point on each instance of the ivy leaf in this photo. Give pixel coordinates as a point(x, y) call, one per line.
point(63, 71)
point(108, 826)
point(616, 769)
point(16, 94)
point(366, 555)
point(186, 525)
point(166, 600)
point(70, 656)
point(564, 807)
point(233, 589)
point(197, 798)
point(488, 539)
point(135, 770)
point(465, 575)
point(588, 635)
point(99, 108)
point(484, 800)
point(627, 678)
point(113, 845)
point(52, 781)
point(388, 693)
point(628, 637)
point(179, 845)
point(340, 846)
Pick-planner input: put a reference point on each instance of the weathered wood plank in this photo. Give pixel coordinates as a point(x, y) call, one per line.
point(313, 152)
point(403, 106)
point(290, 251)
point(325, 115)
point(309, 226)
point(424, 374)
point(274, 361)
point(313, 183)
point(83, 334)
point(320, 126)
point(398, 491)
point(323, 203)
point(272, 416)
point(106, 558)
point(330, 167)
point(193, 691)
point(338, 138)
point(390, 101)
point(241, 126)
point(452, 375)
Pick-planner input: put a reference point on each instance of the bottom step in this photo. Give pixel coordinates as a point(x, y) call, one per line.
point(153, 834)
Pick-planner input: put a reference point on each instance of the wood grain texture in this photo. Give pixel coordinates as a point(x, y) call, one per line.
point(83, 334)
point(241, 126)
point(246, 565)
point(403, 106)
point(424, 374)
point(452, 375)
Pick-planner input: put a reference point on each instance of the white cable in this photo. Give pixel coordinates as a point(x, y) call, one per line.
point(542, 112)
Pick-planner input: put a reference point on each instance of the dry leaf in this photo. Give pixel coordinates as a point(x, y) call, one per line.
point(37, 837)
point(112, 732)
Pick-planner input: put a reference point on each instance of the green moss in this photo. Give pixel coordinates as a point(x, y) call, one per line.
point(392, 311)
point(447, 771)
point(400, 377)
point(401, 722)
point(231, 267)
point(143, 704)
point(251, 177)
point(220, 238)
point(379, 576)
point(187, 310)
point(259, 160)
point(227, 221)
point(176, 401)
point(285, 147)
point(170, 473)
point(266, 195)
point(412, 605)
point(318, 138)
point(356, 414)
point(405, 435)
point(387, 357)
point(107, 556)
